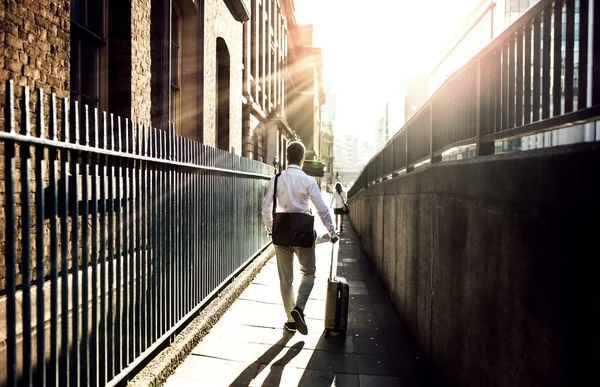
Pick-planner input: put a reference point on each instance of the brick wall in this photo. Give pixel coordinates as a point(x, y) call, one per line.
point(34, 52)
point(219, 23)
point(35, 44)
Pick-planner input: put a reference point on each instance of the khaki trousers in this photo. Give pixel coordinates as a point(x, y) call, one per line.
point(285, 266)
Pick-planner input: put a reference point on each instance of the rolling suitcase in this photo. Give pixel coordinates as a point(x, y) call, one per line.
point(336, 303)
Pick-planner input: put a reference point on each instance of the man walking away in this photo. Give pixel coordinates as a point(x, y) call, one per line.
point(295, 191)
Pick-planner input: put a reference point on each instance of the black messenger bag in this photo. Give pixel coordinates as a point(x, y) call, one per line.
point(291, 229)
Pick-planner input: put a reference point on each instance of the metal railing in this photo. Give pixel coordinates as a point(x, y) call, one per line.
point(528, 80)
point(112, 239)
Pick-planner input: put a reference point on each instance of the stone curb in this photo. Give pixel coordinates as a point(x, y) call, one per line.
point(165, 363)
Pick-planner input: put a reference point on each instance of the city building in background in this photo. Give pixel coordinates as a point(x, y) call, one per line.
point(351, 155)
point(304, 114)
point(511, 10)
point(382, 128)
point(268, 47)
point(475, 33)
point(327, 137)
point(283, 90)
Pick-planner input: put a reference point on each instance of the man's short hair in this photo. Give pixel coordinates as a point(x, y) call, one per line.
point(295, 152)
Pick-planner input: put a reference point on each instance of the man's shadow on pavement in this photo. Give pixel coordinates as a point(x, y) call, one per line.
point(274, 377)
point(330, 350)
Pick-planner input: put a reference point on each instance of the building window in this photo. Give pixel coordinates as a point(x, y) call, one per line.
point(88, 41)
point(175, 67)
point(222, 97)
point(176, 62)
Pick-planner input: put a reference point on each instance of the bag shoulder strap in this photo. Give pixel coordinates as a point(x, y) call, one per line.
point(342, 198)
point(275, 193)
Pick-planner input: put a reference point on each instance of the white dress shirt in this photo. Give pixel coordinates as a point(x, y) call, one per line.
point(338, 199)
point(295, 191)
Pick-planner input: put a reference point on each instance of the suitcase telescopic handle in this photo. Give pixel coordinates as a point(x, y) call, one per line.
point(331, 266)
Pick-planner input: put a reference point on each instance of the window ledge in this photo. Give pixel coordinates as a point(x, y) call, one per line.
point(239, 9)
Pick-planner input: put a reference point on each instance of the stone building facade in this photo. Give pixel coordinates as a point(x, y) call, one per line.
point(223, 50)
point(279, 83)
point(306, 112)
point(266, 46)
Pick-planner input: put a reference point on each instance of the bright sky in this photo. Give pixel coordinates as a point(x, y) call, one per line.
point(370, 47)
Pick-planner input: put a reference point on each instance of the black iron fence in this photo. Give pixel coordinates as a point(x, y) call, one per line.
point(114, 234)
point(541, 74)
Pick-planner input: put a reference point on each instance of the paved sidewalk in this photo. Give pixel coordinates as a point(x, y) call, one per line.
point(248, 346)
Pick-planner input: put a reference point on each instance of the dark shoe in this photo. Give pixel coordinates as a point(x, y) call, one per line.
point(290, 326)
point(298, 317)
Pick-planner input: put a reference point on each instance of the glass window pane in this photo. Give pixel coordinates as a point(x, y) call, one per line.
point(89, 70)
point(174, 65)
point(75, 65)
point(78, 11)
point(95, 20)
point(513, 5)
point(524, 5)
point(175, 27)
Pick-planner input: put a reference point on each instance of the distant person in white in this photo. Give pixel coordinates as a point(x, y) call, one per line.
point(295, 191)
point(338, 200)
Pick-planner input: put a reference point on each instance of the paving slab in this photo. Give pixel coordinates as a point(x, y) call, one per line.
point(248, 346)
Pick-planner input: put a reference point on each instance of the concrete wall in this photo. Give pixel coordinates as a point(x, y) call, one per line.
point(491, 263)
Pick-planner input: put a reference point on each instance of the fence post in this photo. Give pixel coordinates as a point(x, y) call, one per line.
point(596, 58)
point(482, 112)
point(393, 165)
point(409, 168)
point(433, 158)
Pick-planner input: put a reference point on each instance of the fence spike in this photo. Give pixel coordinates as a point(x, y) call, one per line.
point(53, 132)
point(77, 122)
point(111, 136)
point(65, 120)
point(96, 129)
point(40, 124)
point(25, 121)
point(118, 137)
point(104, 127)
point(9, 107)
point(86, 136)
point(126, 129)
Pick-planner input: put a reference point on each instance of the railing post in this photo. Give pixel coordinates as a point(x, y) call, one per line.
point(433, 158)
point(393, 164)
point(482, 112)
point(596, 49)
point(409, 168)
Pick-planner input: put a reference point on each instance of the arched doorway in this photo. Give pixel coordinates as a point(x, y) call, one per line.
point(223, 76)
